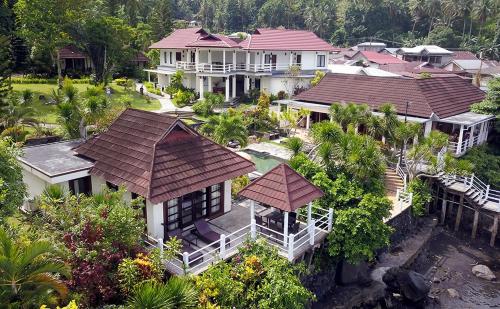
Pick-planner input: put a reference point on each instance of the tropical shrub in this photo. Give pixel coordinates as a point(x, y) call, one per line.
point(226, 127)
point(421, 196)
point(206, 106)
point(36, 80)
point(183, 98)
point(257, 277)
point(238, 184)
point(295, 144)
point(318, 76)
point(133, 271)
point(12, 187)
point(176, 293)
point(486, 163)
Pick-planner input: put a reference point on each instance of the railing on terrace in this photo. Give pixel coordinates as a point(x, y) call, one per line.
point(186, 66)
point(486, 194)
point(465, 145)
point(215, 68)
point(270, 67)
point(288, 246)
point(403, 199)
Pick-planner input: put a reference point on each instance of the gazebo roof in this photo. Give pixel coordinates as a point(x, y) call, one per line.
point(282, 188)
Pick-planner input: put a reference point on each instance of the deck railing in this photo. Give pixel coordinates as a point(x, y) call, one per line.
point(486, 194)
point(465, 145)
point(288, 246)
point(185, 65)
point(215, 68)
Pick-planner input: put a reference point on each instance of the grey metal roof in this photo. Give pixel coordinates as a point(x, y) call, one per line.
point(468, 118)
point(55, 159)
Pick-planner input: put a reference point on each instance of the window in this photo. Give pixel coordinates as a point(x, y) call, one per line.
point(111, 186)
point(435, 59)
point(80, 185)
point(267, 59)
point(299, 59)
point(321, 61)
point(172, 214)
point(215, 199)
point(170, 56)
point(165, 57)
point(178, 56)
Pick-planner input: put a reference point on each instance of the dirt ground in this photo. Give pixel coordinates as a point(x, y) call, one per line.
point(448, 263)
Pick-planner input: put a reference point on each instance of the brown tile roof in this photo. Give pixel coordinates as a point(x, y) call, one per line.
point(464, 55)
point(380, 58)
point(159, 157)
point(71, 52)
point(180, 38)
point(443, 96)
point(214, 40)
point(413, 67)
point(282, 188)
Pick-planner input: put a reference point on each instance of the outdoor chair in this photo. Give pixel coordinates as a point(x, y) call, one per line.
point(186, 246)
point(205, 233)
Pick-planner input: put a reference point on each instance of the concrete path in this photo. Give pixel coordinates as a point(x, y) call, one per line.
point(165, 102)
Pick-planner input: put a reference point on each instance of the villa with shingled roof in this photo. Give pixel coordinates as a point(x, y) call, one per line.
point(221, 64)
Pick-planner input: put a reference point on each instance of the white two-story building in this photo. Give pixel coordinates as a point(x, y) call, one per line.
point(271, 60)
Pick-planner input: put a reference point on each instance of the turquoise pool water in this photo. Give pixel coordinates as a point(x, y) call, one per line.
point(263, 161)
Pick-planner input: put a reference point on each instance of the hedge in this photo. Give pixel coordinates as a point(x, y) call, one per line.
point(35, 80)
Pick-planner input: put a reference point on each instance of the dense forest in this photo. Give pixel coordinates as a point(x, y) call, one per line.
point(111, 31)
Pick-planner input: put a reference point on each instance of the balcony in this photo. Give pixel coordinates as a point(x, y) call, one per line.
point(185, 66)
point(215, 68)
point(458, 149)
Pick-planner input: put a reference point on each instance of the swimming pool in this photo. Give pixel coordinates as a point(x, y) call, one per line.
point(263, 161)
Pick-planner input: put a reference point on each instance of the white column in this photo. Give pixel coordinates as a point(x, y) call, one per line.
point(309, 212)
point(460, 139)
point(209, 84)
point(428, 128)
point(197, 56)
point(247, 83)
point(224, 60)
point(285, 229)
point(262, 57)
point(201, 88)
point(234, 60)
point(234, 86)
point(222, 246)
point(248, 61)
point(209, 56)
point(481, 134)
point(471, 136)
point(227, 88)
point(308, 121)
point(291, 58)
point(252, 210)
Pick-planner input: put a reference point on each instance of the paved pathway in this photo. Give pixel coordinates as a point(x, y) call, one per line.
point(165, 102)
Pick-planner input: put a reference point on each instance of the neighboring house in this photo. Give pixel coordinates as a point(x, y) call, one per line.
point(441, 103)
point(375, 59)
point(75, 61)
point(219, 64)
point(353, 69)
point(371, 46)
point(488, 69)
point(415, 69)
point(390, 51)
point(182, 175)
point(433, 54)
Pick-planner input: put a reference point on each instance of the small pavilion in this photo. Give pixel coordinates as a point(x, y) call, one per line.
point(284, 190)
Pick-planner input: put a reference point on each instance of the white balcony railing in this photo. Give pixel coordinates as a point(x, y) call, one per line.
point(186, 66)
point(270, 67)
point(215, 68)
point(458, 149)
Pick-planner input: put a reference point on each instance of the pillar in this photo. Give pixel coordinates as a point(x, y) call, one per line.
point(494, 231)
point(291, 58)
point(309, 213)
point(234, 60)
point(481, 133)
point(224, 61)
point(308, 121)
point(201, 87)
point(459, 212)
point(210, 88)
point(474, 224)
point(234, 86)
point(443, 206)
point(460, 139)
point(246, 84)
point(209, 57)
point(428, 128)
point(248, 61)
point(149, 76)
point(471, 136)
point(285, 229)
point(197, 56)
point(252, 210)
point(227, 89)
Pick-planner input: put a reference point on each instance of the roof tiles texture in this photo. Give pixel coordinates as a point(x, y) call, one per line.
point(158, 157)
point(214, 40)
point(443, 96)
point(282, 188)
point(380, 58)
point(71, 52)
point(180, 38)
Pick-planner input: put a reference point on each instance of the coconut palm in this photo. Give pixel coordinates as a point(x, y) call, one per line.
point(17, 112)
point(389, 120)
point(29, 273)
point(178, 292)
point(225, 128)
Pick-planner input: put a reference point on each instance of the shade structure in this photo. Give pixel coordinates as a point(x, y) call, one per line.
point(282, 188)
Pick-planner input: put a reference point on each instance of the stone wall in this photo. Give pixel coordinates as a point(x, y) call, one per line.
point(404, 224)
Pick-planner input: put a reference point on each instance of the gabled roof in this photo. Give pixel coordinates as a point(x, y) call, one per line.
point(282, 188)
point(426, 49)
point(180, 38)
point(157, 156)
point(443, 96)
point(285, 39)
point(464, 55)
point(71, 52)
point(470, 64)
point(214, 40)
point(140, 57)
point(380, 58)
point(413, 67)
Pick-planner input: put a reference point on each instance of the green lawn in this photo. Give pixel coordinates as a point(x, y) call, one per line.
point(47, 113)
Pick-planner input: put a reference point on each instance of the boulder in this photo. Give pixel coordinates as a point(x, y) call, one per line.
point(412, 285)
point(353, 274)
point(484, 272)
point(453, 293)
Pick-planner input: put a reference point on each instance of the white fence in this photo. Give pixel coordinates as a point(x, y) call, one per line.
point(289, 246)
point(486, 194)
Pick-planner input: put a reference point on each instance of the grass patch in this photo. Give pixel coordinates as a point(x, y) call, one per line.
point(47, 113)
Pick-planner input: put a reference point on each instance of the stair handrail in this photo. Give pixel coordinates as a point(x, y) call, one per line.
point(486, 194)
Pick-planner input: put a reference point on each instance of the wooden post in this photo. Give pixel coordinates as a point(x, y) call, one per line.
point(443, 207)
point(474, 225)
point(285, 229)
point(459, 212)
point(494, 231)
point(290, 247)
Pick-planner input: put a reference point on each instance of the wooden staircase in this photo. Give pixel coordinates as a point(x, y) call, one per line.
point(392, 181)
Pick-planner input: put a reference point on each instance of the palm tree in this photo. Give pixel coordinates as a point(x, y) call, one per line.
point(178, 292)
point(225, 128)
point(29, 273)
point(481, 11)
point(295, 144)
point(17, 112)
point(389, 121)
